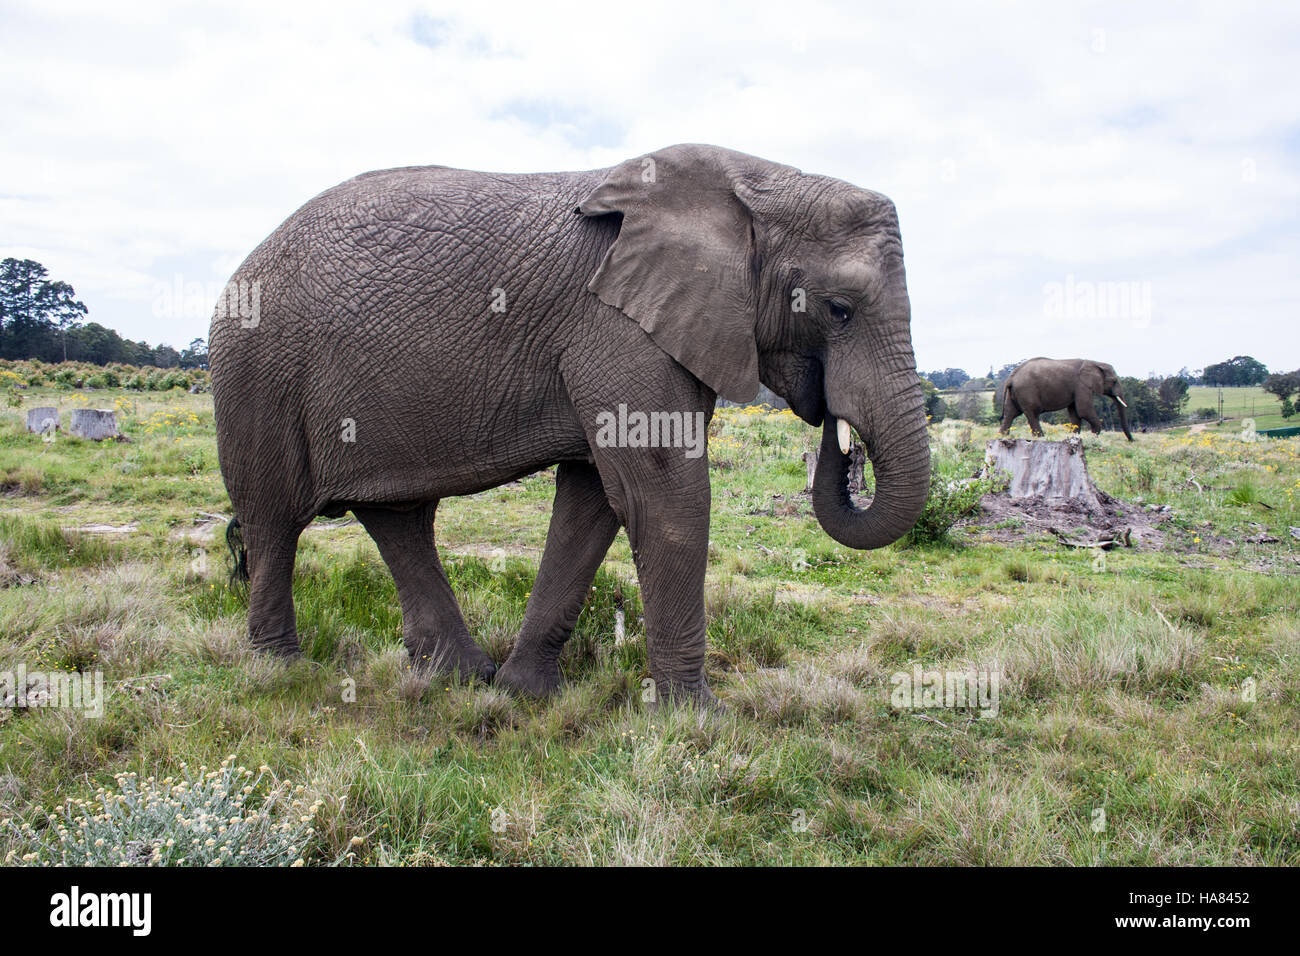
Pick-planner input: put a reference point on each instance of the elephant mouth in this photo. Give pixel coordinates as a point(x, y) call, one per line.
point(809, 400)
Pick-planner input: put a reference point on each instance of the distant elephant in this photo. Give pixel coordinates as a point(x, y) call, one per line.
point(427, 332)
point(1048, 385)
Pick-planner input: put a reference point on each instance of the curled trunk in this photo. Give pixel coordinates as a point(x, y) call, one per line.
point(899, 452)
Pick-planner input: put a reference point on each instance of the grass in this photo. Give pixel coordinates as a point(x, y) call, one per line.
point(1240, 402)
point(1163, 689)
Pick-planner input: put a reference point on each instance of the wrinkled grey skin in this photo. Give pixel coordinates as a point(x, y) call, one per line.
point(659, 283)
point(1049, 385)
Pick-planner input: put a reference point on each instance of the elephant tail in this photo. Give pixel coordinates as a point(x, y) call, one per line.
point(235, 541)
point(1001, 394)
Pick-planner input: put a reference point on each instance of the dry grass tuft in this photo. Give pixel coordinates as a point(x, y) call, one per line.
point(793, 697)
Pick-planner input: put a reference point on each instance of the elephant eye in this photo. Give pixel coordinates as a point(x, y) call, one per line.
point(839, 310)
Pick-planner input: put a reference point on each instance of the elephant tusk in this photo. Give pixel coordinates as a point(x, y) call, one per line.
point(1121, 401)
point(845, 435)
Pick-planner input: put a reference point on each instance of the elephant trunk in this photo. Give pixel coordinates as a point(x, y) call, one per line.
point(1123, 417)
point(894, 429)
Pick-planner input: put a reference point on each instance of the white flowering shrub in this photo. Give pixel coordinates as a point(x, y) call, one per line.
point(230, 816)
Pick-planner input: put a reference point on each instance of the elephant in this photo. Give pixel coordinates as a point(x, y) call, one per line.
point(425, 332)
point(1048, 385)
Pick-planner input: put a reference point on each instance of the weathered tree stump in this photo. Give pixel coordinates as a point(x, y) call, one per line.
point(42, 420)
point(857, 468)
point(96, 424)
point(1053, 470)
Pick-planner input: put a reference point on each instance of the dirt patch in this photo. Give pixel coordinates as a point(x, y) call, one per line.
point(106, 529)
point(487, 552)
point(203, 532)
point(10, 576)
point(1003, 518)
point(318, 526)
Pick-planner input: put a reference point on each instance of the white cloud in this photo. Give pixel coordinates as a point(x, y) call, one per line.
point(1022, 142)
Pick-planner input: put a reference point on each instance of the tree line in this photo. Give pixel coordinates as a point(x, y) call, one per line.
point(1239, 370)
point(42, 318)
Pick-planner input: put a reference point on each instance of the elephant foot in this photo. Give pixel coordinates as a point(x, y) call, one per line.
point(529, 678)
point(697, 693)
point(283, 647)
point(466, 663)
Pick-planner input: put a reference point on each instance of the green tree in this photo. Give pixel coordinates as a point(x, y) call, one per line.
point(1283, 384)
point(936, 409)
point(35, 312)
point(195, 355)
point(1171, 396)
point(1241, 370)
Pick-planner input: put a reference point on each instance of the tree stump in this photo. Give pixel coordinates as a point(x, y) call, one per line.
point(42, 420)
point(857, 468)
point(1053, 470)
point(96, 424)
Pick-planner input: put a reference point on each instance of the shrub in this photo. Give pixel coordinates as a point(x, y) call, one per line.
point(950, 500)
point(224, 816)
point(1244, 493)
point(66, 378)
point(1205, 414)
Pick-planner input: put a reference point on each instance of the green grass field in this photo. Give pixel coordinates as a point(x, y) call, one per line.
point(1149, 708)
point(1247, 401)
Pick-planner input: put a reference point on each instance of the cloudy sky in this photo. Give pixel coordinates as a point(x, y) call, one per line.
point(1116, 180)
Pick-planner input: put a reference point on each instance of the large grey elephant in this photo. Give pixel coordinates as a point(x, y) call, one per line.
point(1049, 385)
point(425, 332)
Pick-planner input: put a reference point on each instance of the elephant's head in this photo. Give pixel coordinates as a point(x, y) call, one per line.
point(745, 271)
point(1102, 379)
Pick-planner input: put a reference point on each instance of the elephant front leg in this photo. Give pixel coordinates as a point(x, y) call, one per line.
point(1075, 420)
point(668, 528)
point(1086, 410)
point(583, 526)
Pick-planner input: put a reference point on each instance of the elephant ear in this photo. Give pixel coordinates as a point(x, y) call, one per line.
point(685, 264)
point(1093, 376)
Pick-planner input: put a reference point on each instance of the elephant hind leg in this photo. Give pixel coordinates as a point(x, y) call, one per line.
point(270, 548)
point(1035, 428)
point(1010, 411)
point(1074, 418)
point(583, 526)
point(432, 626)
